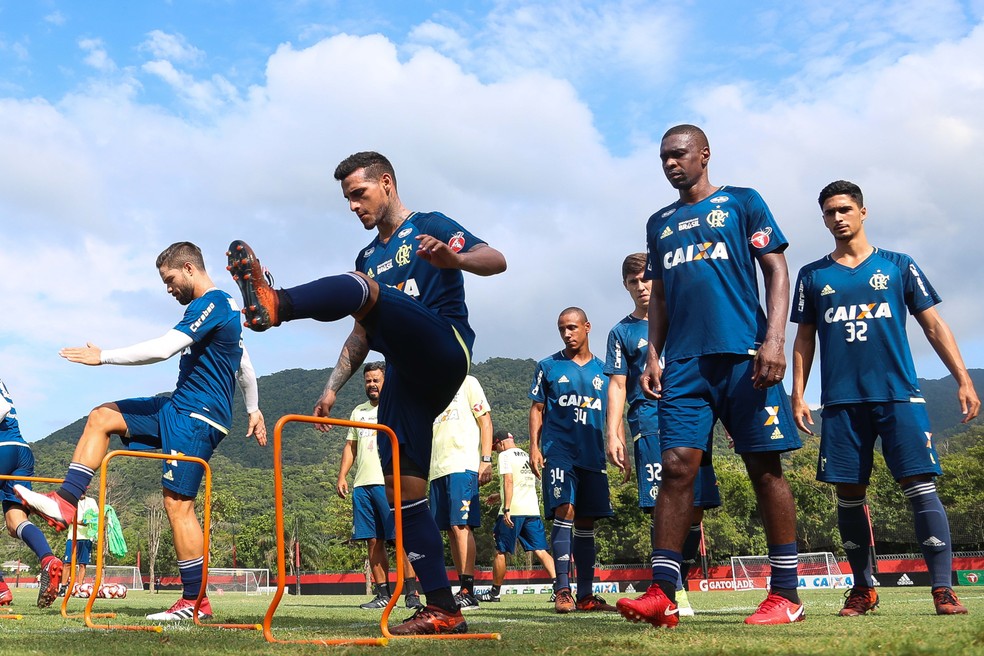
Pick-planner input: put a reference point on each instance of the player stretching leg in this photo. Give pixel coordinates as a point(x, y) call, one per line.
point(192, 421)
point(724, 360)
point(408, 301)
point(624, 362)
point(17, 459)
point(855, 300)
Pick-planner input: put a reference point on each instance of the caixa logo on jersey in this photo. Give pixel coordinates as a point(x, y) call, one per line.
point(578, 401)
point(707, 250)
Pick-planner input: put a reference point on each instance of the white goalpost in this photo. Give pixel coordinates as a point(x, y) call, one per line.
point(251, 581)
point(128, 576)
point(816, 570)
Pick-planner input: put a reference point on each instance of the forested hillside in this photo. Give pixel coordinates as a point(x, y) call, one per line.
point(243, 486)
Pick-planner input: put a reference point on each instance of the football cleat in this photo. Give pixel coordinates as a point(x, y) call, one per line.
point(413, 601)
point(379, 601)
point(777, 610)
point(183, 609)
point(260, 300)
point(652, 606)
point(488, 596)
point(946, 602)
point(465, 600)
point(563, 601)
point(6, 596)
point(594, 603)
point(431, 620)
point(51, 571)
point(55, 510)
point(859, 600)
point(683, 603)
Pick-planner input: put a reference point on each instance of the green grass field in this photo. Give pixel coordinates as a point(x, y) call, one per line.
point(905, 624)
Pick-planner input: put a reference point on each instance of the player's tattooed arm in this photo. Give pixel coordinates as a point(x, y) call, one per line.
point(804, 347)
point(770, 362)
point(353, 354)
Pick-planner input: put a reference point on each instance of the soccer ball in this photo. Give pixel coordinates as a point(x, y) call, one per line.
point(82, 590)
point(112, 591)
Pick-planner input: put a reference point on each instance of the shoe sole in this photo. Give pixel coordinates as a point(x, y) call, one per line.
point(49, 586)
point(243, 265)
point(460, 628)
point(56, 523)
point(633, 616)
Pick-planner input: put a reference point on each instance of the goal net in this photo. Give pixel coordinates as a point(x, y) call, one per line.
point(248, 581)
point(128, 576)
point(816, 570)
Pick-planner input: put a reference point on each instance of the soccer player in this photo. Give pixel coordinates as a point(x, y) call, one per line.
point(519, 512)
point(407, 297)
point(17, 459)
point(192, 421)
point(625, 360)
point(567, 444)
point(371, 514)
point(461, 460)
point(723, 360)
point(855, 300)
point(83, 552)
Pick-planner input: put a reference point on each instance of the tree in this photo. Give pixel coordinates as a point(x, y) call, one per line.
point(154, 507)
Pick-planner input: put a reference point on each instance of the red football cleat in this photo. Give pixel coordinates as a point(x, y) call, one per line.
point(653, 606)
point(55, 510)
point(431, 620)
point(51, 572)
point(776, 610)
point(859, 600)
point(594, 603)
point(260, 301)
point(6, 597)
point(946, 602)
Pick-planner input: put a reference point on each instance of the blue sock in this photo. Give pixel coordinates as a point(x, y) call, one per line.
point(932, 530)
point(784, 562)
point(34, 538)
point(191, 576)
point(666, 570)
point(584, 553)
point(560, 545)
point(327, 299)
point(854, 532)
point(425, 548)
point(76, 481)
point(691, 546)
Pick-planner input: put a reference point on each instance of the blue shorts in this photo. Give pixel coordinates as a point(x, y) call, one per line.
point(586, 490)
point(454, 500)
point(427, 359)
point(849, 431)
point(83, 555)
point(371, 514)
point(529, 530)
point(643, 418)
point(698, 391)
point(649, 469)
point(16, 459)
point(154, 423)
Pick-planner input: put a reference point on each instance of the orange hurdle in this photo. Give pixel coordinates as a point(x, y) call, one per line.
point(278, 499)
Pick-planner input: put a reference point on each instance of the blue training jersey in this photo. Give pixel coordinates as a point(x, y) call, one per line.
point(574, 399)
point(395, 263)
point(628, 347)
point(9, 428)
point(705, 256)
point(860, 316)
point(207, 371)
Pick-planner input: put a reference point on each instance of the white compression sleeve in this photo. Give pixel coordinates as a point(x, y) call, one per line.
point(247, 383)
point(153, 350)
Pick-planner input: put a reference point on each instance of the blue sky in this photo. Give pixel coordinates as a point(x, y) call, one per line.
point(536, 124)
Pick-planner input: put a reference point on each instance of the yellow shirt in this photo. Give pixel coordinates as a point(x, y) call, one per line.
point(368, 469)
point(456, 446)
point(524, 501)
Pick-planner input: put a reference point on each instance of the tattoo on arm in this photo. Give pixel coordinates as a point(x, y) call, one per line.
point(353, 354)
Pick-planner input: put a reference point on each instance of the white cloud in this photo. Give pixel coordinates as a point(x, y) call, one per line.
point(55, 18)
point(171, 47)
point(96, 55)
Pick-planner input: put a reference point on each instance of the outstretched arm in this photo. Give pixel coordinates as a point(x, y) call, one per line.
point(246, 378)
point(153, 350)
point(939, 336)
point(353, 354)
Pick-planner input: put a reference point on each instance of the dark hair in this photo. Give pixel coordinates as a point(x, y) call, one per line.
point(575, 310)
point(374, 366)
point(374, 164)
point(178, 253)
point(839, 187)
point(633, 264)
point(693, 131)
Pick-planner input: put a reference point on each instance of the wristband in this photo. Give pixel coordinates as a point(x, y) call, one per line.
point(505, 510)
point(487, 459)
